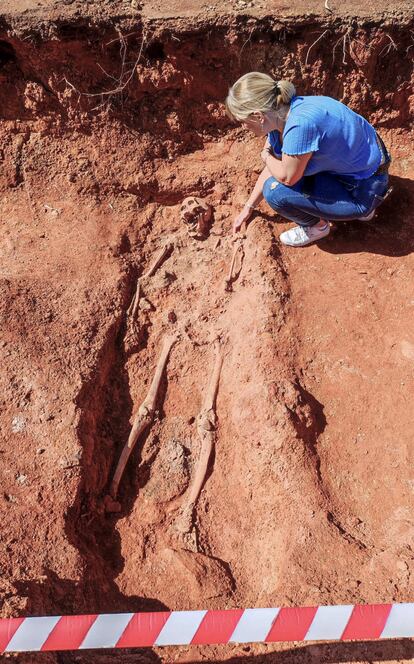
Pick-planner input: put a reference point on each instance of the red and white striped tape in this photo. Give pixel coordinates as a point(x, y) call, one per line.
point(166, 628)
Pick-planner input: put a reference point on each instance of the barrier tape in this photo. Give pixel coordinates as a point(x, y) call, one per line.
point(173, 628)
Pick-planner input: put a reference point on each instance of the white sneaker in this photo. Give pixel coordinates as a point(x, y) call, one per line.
point(300, 236)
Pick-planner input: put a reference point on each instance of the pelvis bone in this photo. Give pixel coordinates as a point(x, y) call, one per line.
point(197, 215)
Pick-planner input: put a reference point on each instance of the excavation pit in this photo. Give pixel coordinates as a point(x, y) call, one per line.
point(110, 118)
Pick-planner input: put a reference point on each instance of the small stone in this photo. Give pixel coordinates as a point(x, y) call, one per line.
point(172, 318)
point(112, 505)
point(145, 305)
point(18, 424)
point(67, 464)
point(21, 479)
point(40, 450)
point(10, 498)
point(167, 279)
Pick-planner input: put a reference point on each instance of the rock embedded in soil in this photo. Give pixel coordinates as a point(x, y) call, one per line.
point(169, 472)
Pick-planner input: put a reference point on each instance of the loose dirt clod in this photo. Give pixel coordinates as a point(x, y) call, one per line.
point(112, 505)
point(144, 416)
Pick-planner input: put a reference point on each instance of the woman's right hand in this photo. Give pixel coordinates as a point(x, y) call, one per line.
point(242, 218)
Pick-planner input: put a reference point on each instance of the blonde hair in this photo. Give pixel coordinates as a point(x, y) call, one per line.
point(258, 93)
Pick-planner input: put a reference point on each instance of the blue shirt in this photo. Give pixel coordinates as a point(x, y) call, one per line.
point(342, 141)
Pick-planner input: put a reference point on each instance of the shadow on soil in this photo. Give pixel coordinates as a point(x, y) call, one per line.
point(391, 233)
point(322, 653)
point(104, 426)
point(358, 651)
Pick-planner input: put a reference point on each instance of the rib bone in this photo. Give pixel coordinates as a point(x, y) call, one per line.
point(144, 416)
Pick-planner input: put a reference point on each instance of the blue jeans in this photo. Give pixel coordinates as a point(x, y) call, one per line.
point(326, 196)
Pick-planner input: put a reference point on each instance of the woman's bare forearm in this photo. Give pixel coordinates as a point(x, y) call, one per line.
point(256, 196)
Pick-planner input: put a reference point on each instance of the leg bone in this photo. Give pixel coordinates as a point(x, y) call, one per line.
point(144, 416)
point(206, 425)
point(136, 301)
point(161, 256)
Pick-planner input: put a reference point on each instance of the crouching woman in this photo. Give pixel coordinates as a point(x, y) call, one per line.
point(322, 161)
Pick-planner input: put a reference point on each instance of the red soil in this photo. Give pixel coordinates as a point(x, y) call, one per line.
point(309, 497)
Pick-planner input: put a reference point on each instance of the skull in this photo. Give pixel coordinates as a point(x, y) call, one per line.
point(196, 214)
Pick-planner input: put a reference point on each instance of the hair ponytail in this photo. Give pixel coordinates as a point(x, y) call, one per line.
point(256, 92)
point(286, 90)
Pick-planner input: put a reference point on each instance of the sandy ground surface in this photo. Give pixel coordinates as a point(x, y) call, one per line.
point(309, 494)
point(185, 8)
